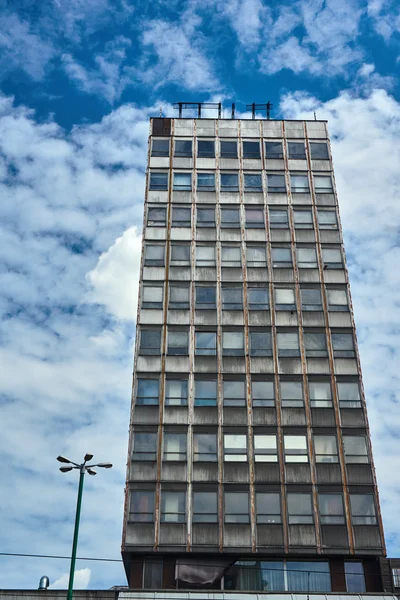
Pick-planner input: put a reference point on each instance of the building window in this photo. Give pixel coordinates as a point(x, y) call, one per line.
point(355, 580)
point(332, 258)
point(309, 576)
point(276, 183)
point(260, 343)
point(256, 256)
point(183, 148)
point(235, 447)
point(234, 393)
point(206, 343)
point(232, 343)
point(303, 219)
point(228, 150)
point(205, 392)
point(288, 344)
point(315, 344)
point(150, 342)
point(174, 446)
point(319, 151)
point(236, 509)
point(300, 509)
point(355, 449)
point(160, 147)
point(173, 507)
point(299, 184)
point(205, 507)
point(253, 182)
point(158, 181)
point(145, 445)
point(251, 150)
point(337, 299)
point(296, 150)
point(325, 447)
point(142, 506)
point(205, 182)
point(331, 509)
point(273, 150)
point(182, 182)
point(292, 394)
point(232, 298)
point(278, 218)
point(285, 299)
point(327, 219)
point(295, 448)
point(263, 393)
point(205, 256)
point(181, 216)
point(156, 216)
point(268, 507)
point(205, 149)
point(153, 573)
point(205, 447)
point(257, 298)
point(154, 255)
point(205, 217)
point(307, 258)
point(343, 345)
point(396, 577)
point(147, 392)
point(180, 254)
point(231, 256)
point(363, 509)
point(206, 297)
point(178, 343)
point(254, 218)
point(176, 392)
point(311, 299)
point(230, 217)
point(179, 297)
point(152, 296)
point(349, 394)
point(323, 184)
point(320, 394)
point(229, 182)
point(265, 449)
point(281, 257)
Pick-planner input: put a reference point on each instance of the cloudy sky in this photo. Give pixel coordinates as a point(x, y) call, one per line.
point(78, 82)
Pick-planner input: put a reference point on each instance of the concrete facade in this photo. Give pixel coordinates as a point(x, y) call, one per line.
point(249, 435)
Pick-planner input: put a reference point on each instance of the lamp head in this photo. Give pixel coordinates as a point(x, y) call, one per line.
point(88, 457)
point(104, 465)
point(66, 469)
point(91, 472)
point(63, 459)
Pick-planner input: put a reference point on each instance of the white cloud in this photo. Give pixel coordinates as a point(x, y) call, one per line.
point(81, 580)
point(364, 134)
point(109, 280)
point(385, 16)
point(21, 48)
point(248, 18)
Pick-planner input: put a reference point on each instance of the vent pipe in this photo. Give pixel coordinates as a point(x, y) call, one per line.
point(44, 583)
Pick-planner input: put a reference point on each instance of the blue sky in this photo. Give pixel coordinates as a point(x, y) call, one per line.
point(78, 82)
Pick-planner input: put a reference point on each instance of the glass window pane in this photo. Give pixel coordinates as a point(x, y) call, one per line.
point(278, 218)
point(236, 507)
point(337, 298)
point(303, 219)
point(205, 256)
point(265, 448)
point(176, 392)
point(206, 342)
point(205, 507)
point(327, 219)
point(299, 183)
point(231, 256)
point(150, 341)
point(182, 181)
point(260, 343)
point(268, 507)
point(296, 150)
point(234, 393)
point(142, 506)
point(153, 573)
point(183, 148)
point(291, 394)
point(205, 217)
point(315, 344)
point(257, 298)
point(205, 182)
point(285, 297)
point(331, 509)
point(156, 216)
point(173, 507)
point(263, 393)
point(205, 297)
point(273, 150)
point(281, 257)
point(230, 217)
point(232, 298)
point(255, 217)
point(332, 256)
point(228, 150)
point(158, 181)
point(229, 182)
point(256, 256)
point(205, 149)
point(362, 509)
point(154, 255)
point(152, 296)
point(355, 580)
point(179, 296)
point(320, 394)
point(232, 343)
point(174, 446)
point(181, 216)
point(205, 447)
point(147, 391)
point(251, 149)
point(160, 148)
point(307, 258)
point(323, 184)
point(299, 508)
point(311, 576)
point(205, 392)
point(144, 445)
point(355, 449)
point(343, 342)
point(276, 183)
point(325, 447)
point(288, 344)
point(180, 253)
point(311, 299)
point(252, 182)
point(319, 151)
point(349, 394)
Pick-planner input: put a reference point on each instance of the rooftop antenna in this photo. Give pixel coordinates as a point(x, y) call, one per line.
point(161, 111)
point(254, 107)
point(315, 116)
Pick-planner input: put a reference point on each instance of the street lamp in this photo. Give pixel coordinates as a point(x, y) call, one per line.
point(83, 468)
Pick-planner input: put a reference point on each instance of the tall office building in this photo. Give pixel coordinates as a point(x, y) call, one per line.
point(250, 464)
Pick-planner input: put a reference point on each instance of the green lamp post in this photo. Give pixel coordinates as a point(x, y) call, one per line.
point(83, 468)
